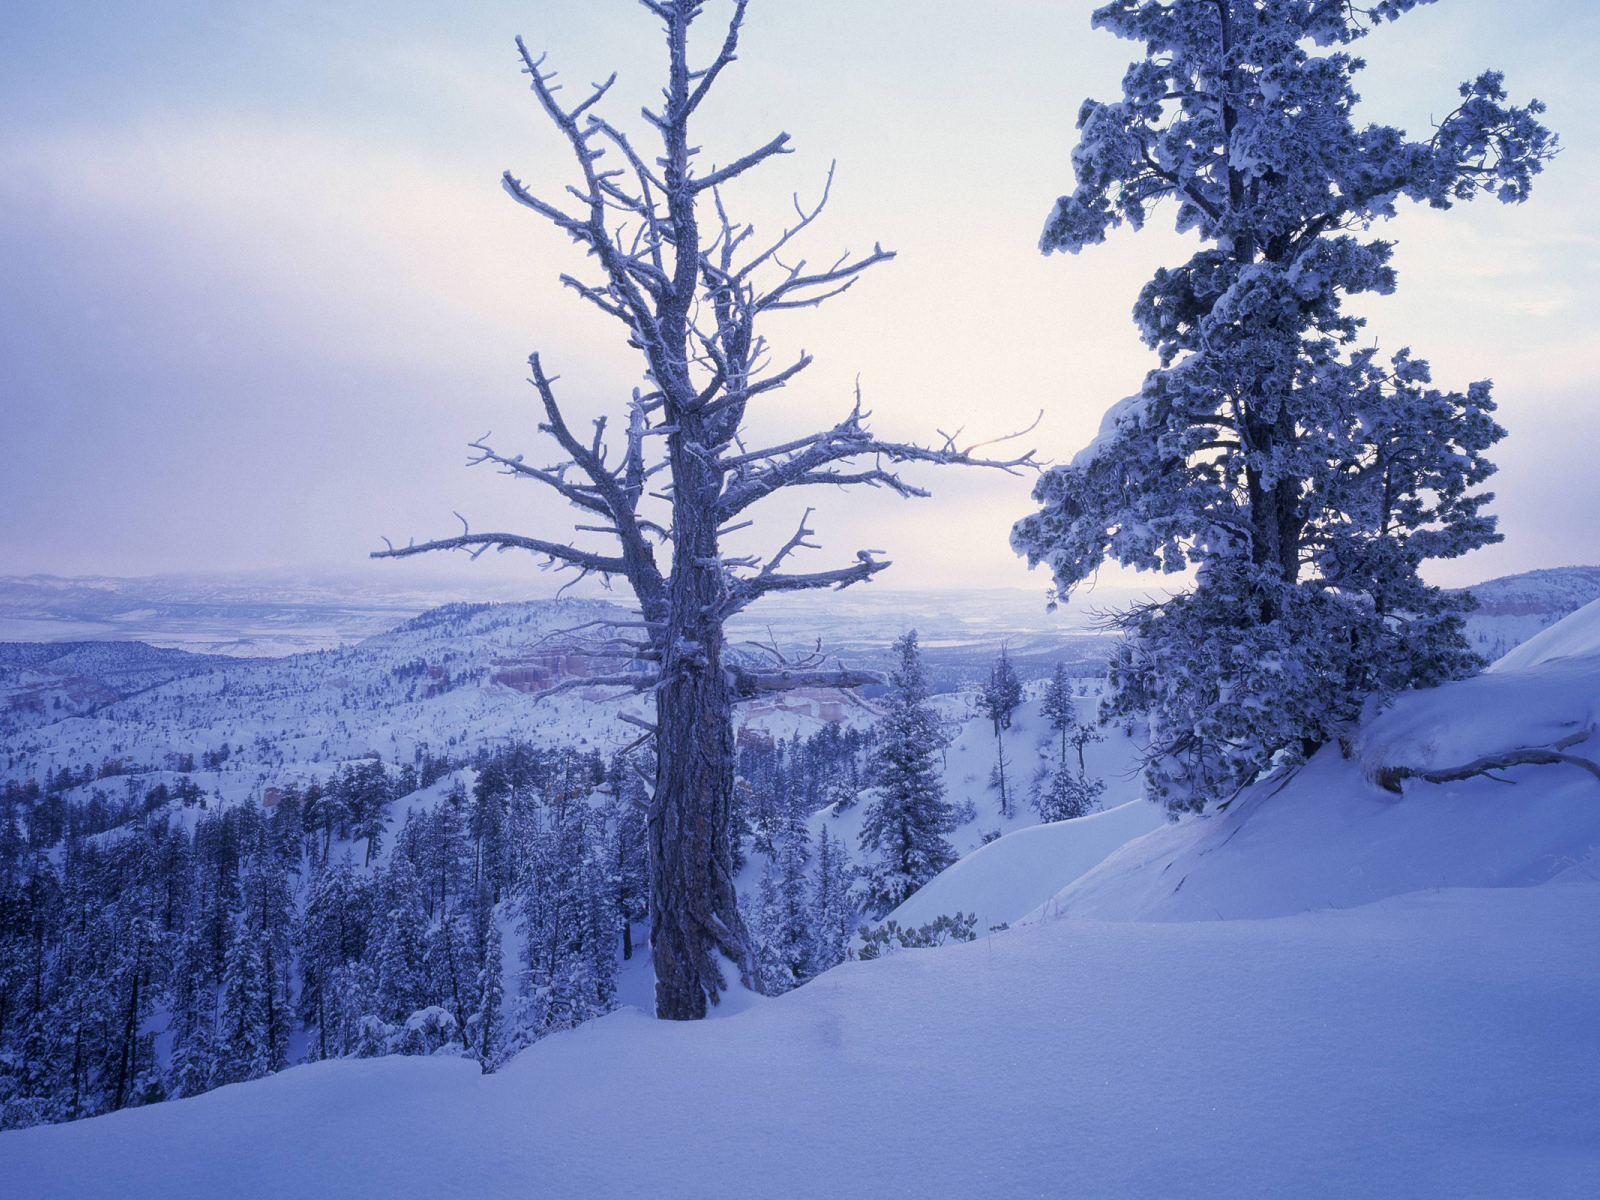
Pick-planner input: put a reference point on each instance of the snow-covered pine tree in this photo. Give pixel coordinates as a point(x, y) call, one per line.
point(783, 920)
point(1068, 793)
point(1002, 692)
point(485, 1027)
point(332, 937)
point(630, 864)
point(269, 910)
point(1306, 479)
point(367, 795)
point(244, 1035)
point(1001, 695)
point(448, 961)
point(192, 1019)
point(679, 469)
point(833, 912)
point(907, 817)
point(1059, 708)
point(398, 954)
point(1082, 735)
point(489, 826)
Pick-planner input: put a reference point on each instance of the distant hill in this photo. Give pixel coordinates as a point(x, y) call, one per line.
point(1512, 608)
point(241, 615)
point(45, 682)
point(254, 616)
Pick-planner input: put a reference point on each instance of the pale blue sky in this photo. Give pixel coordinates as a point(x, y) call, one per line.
point(258, 283)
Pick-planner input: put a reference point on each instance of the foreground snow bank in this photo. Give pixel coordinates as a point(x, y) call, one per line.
point(1008, 878)
point(1330, 837)
point(1434, 1045)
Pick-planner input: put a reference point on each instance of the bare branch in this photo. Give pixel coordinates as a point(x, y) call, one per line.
point(743, 592)
point(637, 683)
point(794, 543)
point(479, 542)
point(739, 166)
point(554, 477)
point(802, 462)
point(730, 44)
point(747, 685)
point(1390, 778)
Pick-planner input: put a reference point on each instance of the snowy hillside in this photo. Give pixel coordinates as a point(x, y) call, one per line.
point(43, 682)
point(1330, 836)
point(1513, 608)
point(1005, 880)
point(456, 676)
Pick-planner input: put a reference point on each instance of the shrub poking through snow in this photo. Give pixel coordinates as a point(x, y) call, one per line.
point(879, 940)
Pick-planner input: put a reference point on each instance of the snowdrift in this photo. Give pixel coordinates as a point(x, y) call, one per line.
point(1576, 636)
point(1331, 837)
point(1008, 878)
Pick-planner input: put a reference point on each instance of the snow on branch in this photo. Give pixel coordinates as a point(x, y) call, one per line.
point(478, 543)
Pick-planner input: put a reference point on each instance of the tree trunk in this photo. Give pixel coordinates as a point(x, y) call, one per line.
point(694, 915)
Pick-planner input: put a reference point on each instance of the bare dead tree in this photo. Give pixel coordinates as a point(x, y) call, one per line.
point(689, 284)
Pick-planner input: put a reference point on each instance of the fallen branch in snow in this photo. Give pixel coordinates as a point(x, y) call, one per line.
point(1391, 778)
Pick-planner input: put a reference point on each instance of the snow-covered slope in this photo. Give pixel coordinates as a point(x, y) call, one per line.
point(1575, 637)
point(1330, 836)
point(1441, 1045)
point(1329, 989)
point(1008, 878)
point(44, 682)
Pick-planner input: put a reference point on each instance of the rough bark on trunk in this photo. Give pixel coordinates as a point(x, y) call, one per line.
point(694, 913)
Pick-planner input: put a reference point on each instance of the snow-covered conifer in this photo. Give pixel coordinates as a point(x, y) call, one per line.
point(1068, 793)
point(1305, 478)
point(398, 954)
point(1001, 695)
point(1058, 707)
point(833, 912)
point(244, 1036)
point(485, 1030)
point(1002, 692)
point(907, 818)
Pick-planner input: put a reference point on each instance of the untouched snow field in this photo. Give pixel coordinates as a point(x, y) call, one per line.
point(1440, 1044)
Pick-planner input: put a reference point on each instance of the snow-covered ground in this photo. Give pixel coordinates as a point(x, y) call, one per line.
point(1005, 880)
point(1331, 837)
point(1329, 989)
point(1442, 1044)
